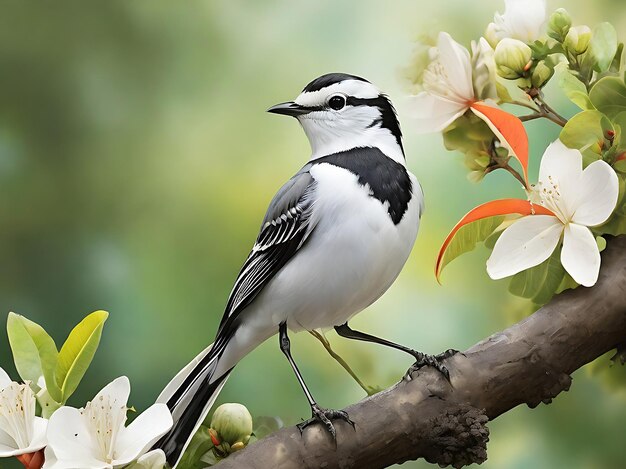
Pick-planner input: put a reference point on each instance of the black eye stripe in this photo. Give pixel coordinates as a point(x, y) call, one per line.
point(378, 101)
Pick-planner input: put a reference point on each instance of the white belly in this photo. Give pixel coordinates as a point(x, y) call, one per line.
point(353, 256)
point(351, 259)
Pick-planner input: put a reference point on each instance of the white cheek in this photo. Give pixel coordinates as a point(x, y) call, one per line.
point(346, 125)
point(334, 131)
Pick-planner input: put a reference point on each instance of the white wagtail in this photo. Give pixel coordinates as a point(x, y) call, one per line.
point(334, 239)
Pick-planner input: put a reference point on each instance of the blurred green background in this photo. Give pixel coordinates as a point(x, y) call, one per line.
point(136, 162)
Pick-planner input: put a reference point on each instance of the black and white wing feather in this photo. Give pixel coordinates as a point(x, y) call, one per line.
point(286, 227)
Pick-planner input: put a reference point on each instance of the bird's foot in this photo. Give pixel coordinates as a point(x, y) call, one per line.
point(432, 360)
point(325, 417)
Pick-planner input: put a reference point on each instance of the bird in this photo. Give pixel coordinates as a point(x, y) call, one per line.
point(335, 237)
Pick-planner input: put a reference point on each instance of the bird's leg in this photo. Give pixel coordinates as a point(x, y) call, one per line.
point(325, 416)
point(421, 359)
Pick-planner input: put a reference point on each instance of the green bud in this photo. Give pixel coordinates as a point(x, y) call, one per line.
point(541, 74)
point(233, 423)
point(513, 58)
point(475, 176)
point(559, 24)
point(501, 152)
point(577, 39)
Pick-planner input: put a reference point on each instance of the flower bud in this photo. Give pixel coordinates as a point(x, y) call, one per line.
point(215, 439)
point(541, 74)
point(491, 35)
point(559, 24)
point(237, 446)
point(577, 39)
point(233, 423)
point(512, 58)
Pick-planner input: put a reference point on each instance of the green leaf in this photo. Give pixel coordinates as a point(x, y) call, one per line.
point(541, 282)
point(509, 92)
point(603, 46)
point(78, 351)
point(619, 123)
point(586, 131)
point(200, 445)
point(608, 95)
point(568, 283)
point(616, 64)
point(468, 236)
point(574, 89)
point(616, 224)
point(607, 371)
point(266, 426)
point(620, 166)
point(34, 352)
point(467, 134)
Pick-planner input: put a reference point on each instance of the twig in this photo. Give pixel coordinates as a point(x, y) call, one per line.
point(496, 163)
point(545, 110)
point(368, 389)
point(517, 175)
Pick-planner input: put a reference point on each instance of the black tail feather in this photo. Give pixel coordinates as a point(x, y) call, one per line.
point(174, 442)
point(189, 403)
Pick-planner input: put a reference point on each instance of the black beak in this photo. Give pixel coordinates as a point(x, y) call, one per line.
point(289, 109)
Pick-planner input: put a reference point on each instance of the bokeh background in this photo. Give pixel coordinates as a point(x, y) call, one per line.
point(136, 162)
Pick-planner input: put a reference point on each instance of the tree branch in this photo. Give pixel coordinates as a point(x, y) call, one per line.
point(530, 362)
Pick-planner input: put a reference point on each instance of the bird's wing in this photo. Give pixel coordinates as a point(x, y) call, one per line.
point(285, 229)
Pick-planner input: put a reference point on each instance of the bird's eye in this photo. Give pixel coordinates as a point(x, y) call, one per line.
point(337, 102)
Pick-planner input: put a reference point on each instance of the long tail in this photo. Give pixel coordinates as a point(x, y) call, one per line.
point(189, 396)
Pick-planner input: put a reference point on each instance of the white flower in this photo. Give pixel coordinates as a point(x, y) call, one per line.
point(95, 437)
point(578, 199)
point(484, 70)
point(448, 85)
point(21, 432)
point(522, 19)
point(154, 459)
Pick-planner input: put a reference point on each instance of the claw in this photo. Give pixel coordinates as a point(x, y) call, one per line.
point(435, 361)
point(325, 416)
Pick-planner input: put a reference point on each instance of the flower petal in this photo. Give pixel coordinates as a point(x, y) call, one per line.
point(432, 113)
point(51, 462)
point(562, 166)
point(484, 74)
point(69, 436)
point(146, 429)
point(39, 439)
point(118, 390)
point(5, 380)
point(154, 459)
point(455, 60)
point(526, 243)
point(489, 209)
point(580, 255)
point(508, 128)
point(597, 194)
point(8, 447)
point(522, 19)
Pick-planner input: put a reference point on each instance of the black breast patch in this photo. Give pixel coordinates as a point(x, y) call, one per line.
point(387, 179)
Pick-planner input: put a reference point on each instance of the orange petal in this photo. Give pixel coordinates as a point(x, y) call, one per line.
point(509, 130)
point(490, 209)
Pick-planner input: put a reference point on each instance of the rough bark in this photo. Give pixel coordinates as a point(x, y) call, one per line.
point(530, 362)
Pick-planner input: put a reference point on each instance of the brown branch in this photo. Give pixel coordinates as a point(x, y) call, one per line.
point(530, 362)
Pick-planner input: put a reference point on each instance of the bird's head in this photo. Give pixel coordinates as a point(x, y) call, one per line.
point(339, 112)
